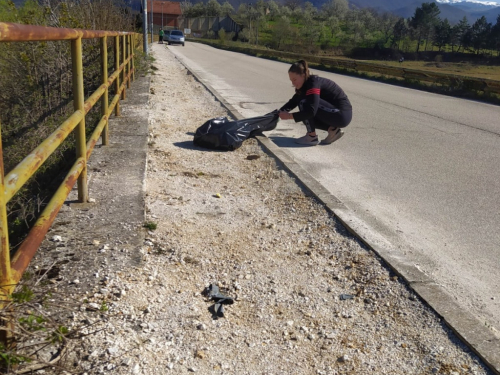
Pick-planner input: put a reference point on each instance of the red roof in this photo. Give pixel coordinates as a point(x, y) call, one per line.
point(168, 7)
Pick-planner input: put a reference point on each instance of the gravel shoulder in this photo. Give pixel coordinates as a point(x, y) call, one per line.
point(308, 297)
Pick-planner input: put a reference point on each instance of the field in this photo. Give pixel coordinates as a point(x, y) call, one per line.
point(463, 68)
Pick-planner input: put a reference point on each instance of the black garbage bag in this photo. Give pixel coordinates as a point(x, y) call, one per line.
point(222, 134)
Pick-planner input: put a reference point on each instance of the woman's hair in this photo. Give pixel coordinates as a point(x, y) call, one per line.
point(300, 67)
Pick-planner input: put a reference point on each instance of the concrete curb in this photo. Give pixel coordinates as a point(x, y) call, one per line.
point(466, 326)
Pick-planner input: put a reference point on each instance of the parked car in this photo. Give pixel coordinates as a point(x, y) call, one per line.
point(176, 37)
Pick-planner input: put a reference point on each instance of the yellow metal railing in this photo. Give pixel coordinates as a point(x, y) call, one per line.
point(11, 270)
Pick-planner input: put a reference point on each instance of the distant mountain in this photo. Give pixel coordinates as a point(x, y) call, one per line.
point(453, 14)
point(473, 10)
point(381, 5)
point(491, 15)
point(408, 10)
point(454, 11)
point(470, 7)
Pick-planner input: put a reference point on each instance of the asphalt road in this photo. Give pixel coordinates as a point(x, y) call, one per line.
point(423, 170)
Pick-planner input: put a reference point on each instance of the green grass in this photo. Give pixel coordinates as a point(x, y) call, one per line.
point(150, 225)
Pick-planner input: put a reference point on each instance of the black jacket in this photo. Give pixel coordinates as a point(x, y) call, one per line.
point(314, 89)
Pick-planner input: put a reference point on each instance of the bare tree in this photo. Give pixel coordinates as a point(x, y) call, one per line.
point(293, 4)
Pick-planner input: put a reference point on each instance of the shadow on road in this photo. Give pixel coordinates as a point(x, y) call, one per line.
point(288, 142)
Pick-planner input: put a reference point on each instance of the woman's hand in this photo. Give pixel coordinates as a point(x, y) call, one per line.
point(285, 115)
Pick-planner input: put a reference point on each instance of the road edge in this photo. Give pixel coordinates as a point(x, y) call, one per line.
point(465, 325)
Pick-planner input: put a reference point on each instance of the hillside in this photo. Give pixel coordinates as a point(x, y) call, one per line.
point(491, 15)
point(382, 5)
point(454, 12)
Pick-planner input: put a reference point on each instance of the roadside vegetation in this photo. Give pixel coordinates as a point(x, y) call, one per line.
point(36, 93)
point(35, 98)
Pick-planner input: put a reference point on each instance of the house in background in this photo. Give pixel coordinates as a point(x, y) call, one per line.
point(165, 14)
point(200, 26)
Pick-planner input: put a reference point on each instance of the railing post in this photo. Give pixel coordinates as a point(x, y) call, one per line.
point(124, 70)
point(127, 38)
point(78, 102)
point(104, 80)
point(6, 282)
point(117, 67)
point(132, 38)
point(5, 273)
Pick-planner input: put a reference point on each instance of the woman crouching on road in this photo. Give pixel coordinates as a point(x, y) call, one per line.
point(322, 105)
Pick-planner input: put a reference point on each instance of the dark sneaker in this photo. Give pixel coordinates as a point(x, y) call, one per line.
point(332, 136)
point(307, 140)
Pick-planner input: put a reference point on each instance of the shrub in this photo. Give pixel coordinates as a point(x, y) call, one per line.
point(222, 35)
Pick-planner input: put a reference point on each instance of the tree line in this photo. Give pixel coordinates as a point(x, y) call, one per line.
point(336, 25)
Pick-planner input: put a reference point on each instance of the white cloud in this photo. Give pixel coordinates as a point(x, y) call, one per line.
point(484, 2)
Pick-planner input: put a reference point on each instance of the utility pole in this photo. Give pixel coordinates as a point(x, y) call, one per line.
point(250, 23)
point(145, 26)
point(162, 15)
point(152, 22)
point(257, 29)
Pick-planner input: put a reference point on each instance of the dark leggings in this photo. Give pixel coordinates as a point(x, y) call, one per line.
point(326, 117)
